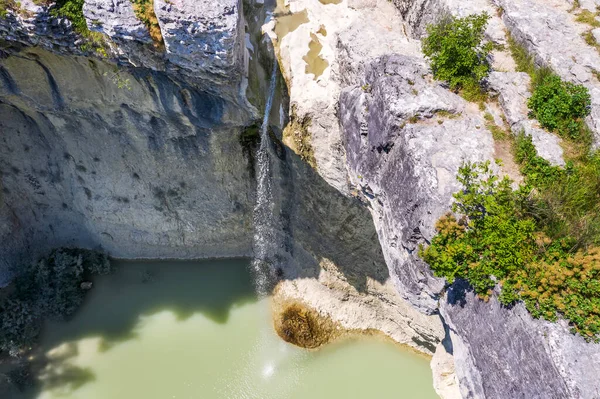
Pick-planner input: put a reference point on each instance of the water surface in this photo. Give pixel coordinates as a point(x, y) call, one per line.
point(196, 330)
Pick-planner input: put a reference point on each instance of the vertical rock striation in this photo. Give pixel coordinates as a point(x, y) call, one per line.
point(405, 163)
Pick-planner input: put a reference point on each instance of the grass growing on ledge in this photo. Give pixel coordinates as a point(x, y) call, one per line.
point(73, 11)
point(144, 11)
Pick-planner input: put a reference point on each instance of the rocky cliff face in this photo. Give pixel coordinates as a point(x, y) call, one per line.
point(139, 155)
point(503, 352)
point(404, 137)
point(151, 169)
point(146, 154)
point(150, 154)
point(498, 352)
point(404, 162)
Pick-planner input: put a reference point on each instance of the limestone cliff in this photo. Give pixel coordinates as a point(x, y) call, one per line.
point(404, 137)
point(146, 151)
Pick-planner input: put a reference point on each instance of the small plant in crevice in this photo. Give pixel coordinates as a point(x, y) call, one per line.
point(73, 11)
point(6, 5)
point(144, 11)
point(497, 132)
point(48, 289)
point(458, 53)
point(117, 79)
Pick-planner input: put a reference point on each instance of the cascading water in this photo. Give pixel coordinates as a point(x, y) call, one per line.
point(270, 351)
point(264, 218)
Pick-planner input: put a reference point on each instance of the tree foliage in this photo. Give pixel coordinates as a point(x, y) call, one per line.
point(539, 242)
point(457, 51)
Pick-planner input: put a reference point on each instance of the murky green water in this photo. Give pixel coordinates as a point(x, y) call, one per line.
point(195, 330)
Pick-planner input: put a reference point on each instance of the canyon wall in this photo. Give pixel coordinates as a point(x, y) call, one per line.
point(404, 136)
point(134, 162)
point(148, 152)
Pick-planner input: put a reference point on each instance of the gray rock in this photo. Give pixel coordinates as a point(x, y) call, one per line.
point(590, 5)
point(513, 92)
point(116, 19)
point(552, 36)
point(503, 352)
point(133, 44)
point(203, 37)
point(407, 170)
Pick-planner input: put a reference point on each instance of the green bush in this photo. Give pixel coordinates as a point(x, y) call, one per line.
point(457, 52)
point(500, 238)
point(49, 288)
point(560, 106)
point(567, 201)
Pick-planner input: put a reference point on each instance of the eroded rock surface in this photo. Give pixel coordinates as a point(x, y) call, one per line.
point(405, 162)
point(203, 36)
point(116, 19)
point(135, 164)
point(501, 352)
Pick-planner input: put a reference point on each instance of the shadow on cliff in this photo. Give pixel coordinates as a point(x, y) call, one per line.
point(321, 224)
point(116, 309)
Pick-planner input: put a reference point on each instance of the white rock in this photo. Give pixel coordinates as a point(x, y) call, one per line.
point(513, 92)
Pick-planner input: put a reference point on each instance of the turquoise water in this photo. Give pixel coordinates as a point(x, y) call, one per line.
point(158, 330)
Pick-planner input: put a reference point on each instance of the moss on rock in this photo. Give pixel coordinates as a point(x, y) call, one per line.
point(303, 326)
point(297, 136)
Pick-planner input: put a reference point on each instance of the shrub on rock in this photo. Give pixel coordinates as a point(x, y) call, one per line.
point(560, 106)
point(457, 51)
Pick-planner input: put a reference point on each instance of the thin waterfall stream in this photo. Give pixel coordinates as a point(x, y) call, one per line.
point(263, 217)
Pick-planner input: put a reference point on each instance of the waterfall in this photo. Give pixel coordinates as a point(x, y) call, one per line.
point(263, 217)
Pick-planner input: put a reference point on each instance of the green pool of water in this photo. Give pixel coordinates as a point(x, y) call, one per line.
point(196, 330)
